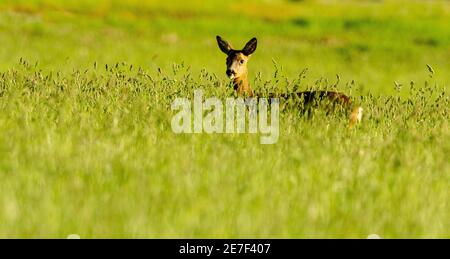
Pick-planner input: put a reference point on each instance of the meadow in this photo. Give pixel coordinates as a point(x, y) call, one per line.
point(86, 145)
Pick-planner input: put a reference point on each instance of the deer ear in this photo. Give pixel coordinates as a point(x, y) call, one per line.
point(224, 46)
point(250, 47)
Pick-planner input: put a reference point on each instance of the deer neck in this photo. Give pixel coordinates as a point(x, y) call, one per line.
point(242, 86)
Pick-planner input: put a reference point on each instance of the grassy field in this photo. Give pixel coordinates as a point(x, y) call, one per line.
point(86, 145)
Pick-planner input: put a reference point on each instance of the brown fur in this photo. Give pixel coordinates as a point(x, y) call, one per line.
point(237, 69)
point(309, 97)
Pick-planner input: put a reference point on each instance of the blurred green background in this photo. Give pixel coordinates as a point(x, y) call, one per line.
point(372, 42)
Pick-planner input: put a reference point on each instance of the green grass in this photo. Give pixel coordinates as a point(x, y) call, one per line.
point(372, 43)
point(89, 150)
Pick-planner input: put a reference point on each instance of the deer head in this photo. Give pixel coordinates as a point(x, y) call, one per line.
point(236, 59)
point(237, 64)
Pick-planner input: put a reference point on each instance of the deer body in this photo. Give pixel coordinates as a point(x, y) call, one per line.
point(237, 71)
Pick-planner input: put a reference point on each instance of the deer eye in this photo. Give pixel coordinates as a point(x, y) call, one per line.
point(242, 61)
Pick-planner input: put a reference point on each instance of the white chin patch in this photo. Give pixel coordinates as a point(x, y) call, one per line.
point(231, 76)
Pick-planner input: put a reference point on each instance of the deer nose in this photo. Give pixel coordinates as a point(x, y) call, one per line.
point(230, 72)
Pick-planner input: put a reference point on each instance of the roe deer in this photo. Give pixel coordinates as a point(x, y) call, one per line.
point(237, 71)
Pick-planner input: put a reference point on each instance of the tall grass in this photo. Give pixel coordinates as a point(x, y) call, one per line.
point(91, 152)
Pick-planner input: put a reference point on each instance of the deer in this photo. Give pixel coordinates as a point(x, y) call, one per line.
point(237, 71)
